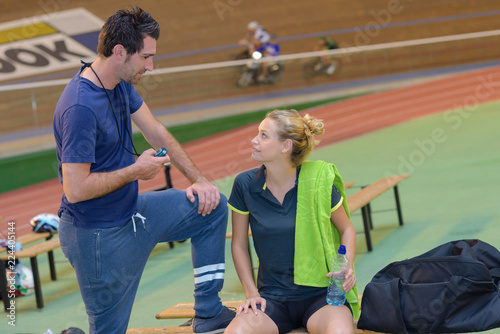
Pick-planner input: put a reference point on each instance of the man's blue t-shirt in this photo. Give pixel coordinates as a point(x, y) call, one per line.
point(86, 131)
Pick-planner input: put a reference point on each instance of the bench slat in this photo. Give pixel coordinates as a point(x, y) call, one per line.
point(348, 185)
point(32, 237)
point(368, 193)
point(36, 250)
point(185, 310)
point(29, 238)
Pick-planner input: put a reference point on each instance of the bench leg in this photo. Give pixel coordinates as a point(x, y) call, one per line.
point(398, 206)
point(369, 212)
point(168, 186)
point(52, 266)
point(36, 279)
point(366, 223)
point(3, 287)
point(168, 177)
point(369, 208)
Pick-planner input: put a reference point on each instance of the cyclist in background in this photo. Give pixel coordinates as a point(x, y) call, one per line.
point(326, 43)
point(255, 37)
point(269, 49)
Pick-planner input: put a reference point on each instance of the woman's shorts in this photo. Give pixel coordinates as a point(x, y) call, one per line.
point(289, 315)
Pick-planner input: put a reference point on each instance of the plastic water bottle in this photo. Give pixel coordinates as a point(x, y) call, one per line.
point(340, 267)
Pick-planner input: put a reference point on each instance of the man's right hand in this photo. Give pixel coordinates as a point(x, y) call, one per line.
point(148, 165)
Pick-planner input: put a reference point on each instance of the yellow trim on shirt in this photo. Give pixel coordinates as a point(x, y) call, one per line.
point(338, 204)
point(238, 211)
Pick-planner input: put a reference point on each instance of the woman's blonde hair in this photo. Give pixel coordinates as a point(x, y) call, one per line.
point(300, 130)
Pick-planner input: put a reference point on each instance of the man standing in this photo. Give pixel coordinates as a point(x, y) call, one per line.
point(107, 230)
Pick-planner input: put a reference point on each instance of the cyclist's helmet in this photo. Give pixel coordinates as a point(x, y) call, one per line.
point(45, 222)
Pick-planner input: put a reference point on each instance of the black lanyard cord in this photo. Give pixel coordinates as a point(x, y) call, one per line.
point(113, 112)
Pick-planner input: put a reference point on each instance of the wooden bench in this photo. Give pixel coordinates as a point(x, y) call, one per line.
point(361, 201)
point(30, 238)
point(31, 252)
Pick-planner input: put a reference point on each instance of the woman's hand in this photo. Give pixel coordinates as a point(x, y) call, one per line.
point(252, 302)
point(349, 282)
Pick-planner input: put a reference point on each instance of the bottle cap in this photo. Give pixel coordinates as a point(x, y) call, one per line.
point(342, 250)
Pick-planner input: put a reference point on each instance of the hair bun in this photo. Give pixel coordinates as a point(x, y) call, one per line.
point(314, 125)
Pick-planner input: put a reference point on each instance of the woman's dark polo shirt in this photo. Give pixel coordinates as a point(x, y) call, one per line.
point(273, 231)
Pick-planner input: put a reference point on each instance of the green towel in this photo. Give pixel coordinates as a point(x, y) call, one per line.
point(316, 238)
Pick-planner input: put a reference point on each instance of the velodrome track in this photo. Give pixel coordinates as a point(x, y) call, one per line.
point(228, 153)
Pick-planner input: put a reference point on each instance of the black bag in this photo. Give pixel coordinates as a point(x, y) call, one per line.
point(453, 288)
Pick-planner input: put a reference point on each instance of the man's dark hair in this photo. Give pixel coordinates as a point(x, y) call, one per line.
point(127, 27)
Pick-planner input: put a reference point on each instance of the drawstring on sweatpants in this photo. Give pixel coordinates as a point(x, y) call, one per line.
point(141, 217)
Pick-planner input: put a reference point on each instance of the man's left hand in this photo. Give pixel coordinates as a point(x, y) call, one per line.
point(208, 196)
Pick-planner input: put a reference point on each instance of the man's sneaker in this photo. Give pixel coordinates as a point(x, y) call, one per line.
point(215, 324)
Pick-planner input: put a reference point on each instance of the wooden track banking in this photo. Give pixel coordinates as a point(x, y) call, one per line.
point(228, 153)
